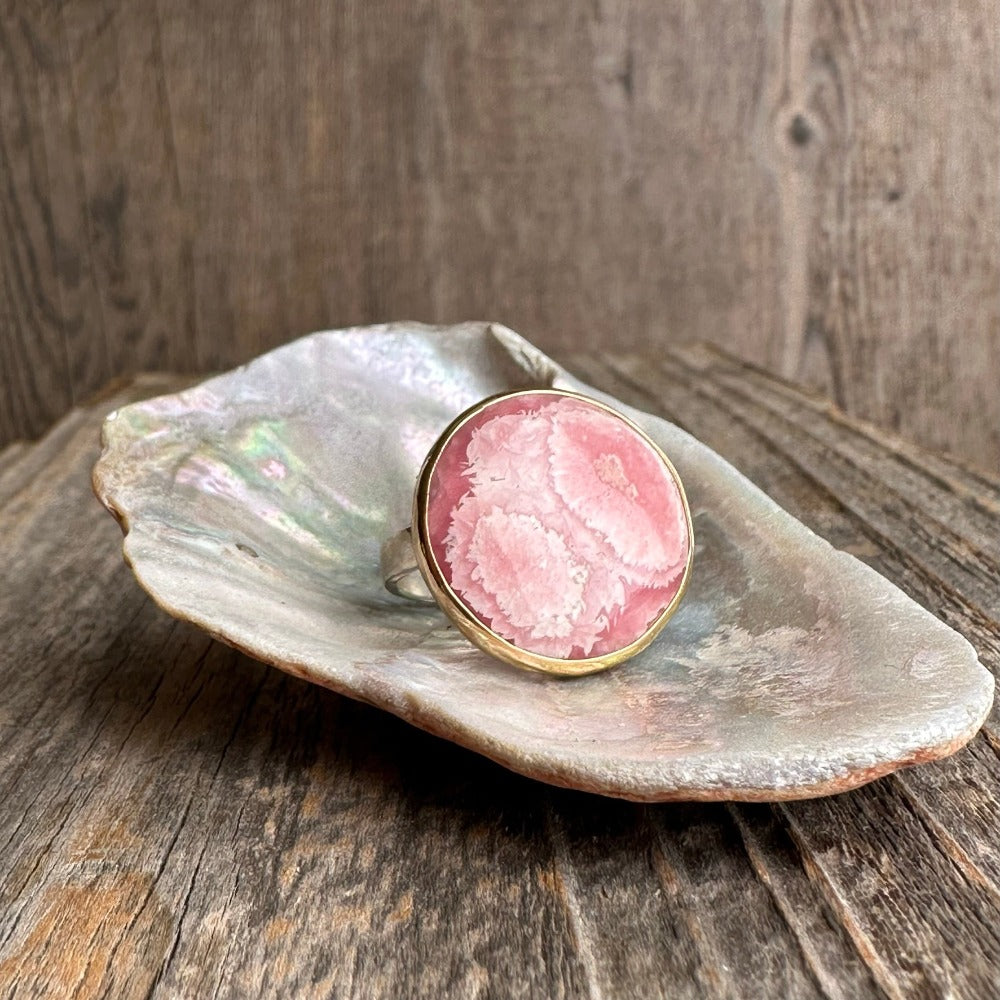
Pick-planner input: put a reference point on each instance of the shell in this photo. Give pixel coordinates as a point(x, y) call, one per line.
point(255, 505)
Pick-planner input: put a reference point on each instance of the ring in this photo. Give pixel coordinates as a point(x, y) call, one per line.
point(550, 529)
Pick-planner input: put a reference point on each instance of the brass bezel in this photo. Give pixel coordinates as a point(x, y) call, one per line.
point(463, 617)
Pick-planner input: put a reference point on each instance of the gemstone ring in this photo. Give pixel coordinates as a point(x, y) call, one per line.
point(550, 529)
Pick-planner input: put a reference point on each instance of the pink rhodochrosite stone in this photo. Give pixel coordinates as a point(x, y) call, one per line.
point(557, 525)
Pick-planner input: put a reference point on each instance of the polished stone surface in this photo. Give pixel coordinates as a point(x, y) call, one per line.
point(557, 525)
point(257, 502)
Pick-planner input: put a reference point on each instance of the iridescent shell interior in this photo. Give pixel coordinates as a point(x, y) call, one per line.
point(256, 503)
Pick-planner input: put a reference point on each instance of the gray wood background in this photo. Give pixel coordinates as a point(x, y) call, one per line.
point(814, 185)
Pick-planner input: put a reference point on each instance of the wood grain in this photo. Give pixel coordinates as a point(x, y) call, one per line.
point(873, 506)
point(814, 185)
point(182, 821)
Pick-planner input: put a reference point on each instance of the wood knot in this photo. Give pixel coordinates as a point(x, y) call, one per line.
point(800, 131)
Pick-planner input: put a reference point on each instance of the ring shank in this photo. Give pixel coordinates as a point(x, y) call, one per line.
point(399, 569)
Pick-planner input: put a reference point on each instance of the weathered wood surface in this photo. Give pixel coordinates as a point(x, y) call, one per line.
point(179, 820)
point(814, 184)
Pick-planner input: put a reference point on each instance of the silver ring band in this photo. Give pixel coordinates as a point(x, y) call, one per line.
point(399, 569)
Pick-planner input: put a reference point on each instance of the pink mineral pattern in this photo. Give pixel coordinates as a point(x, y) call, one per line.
point(557, 525)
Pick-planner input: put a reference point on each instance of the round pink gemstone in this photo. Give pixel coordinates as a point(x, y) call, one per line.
point(557, 525)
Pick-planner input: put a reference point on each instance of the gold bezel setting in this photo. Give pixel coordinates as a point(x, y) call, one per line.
point(466, 620)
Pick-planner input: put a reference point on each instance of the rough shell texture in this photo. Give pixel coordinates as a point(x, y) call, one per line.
point(255, 505)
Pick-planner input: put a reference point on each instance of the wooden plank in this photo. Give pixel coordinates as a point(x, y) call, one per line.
point(17, 474)
point(138, 229)
point(972, 484)
point(670, 898)
point(953, 808)
point(962, 788)
point(9, 456)
point(840, 969)
point(36, 383)
point(813, 185)
point(181, 820)
point(878, 864)
point(879, 192)
point(948, 493)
